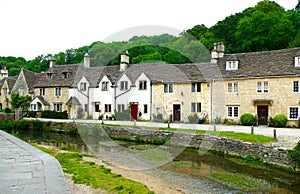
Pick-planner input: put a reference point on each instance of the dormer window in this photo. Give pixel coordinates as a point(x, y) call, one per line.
point(64, 75)
point(297, 61)
point(232, 65)
point(49, 75)
point(83, 86)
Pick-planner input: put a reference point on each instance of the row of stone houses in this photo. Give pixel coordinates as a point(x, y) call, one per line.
point(261, 83)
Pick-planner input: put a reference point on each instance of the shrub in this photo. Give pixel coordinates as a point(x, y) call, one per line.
point(22, 125)
point(194, 118)
point(31, 114)
point(294, 155)
point(7, 125)
point(218, 120)
point(7, 110)
point(54, 114)
point(278, 121)
point(37, 125)
point(123, 116)
point(248, 119)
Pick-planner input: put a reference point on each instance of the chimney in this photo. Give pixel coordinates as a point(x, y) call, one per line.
point(3, 72)
point(124, 61)
point(217, 52)
point(86, 60)
point(52, 62)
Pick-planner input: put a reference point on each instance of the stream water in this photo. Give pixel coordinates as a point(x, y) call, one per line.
point(188, 178)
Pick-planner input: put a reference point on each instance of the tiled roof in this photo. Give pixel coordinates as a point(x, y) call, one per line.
point(11, 80)
point(262, 64)
point(57, 76)
point(73, 101)
point(42, 100)
point(30, 78)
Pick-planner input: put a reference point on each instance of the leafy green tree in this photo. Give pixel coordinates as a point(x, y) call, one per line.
point(18, 101)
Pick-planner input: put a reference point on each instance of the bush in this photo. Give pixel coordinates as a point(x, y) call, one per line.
point(22, 125)
point(123, 116)
point(37, 125)
point(248, 119)
point(31, 114)
point(51, 114)
point(294, 155)
point(218, 120)
point(7, 110)
point(7, 125)
point(278, 121)
point(194, 118)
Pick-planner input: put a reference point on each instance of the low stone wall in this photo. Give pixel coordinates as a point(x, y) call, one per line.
point(266, 153)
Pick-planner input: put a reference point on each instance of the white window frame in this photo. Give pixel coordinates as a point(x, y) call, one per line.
point(121, 107)
point(104, 86)
point(297, 61)
point(289, 113)
point(231, 112)
point(262, 87)
point(232, 65)
point(233, 87)
point(196, 87)
point(124, 85)
point(83, 86)
point(168, 88)
point(57, 91)
point(294, 88)
point(143, 85)
point(42, 91)
point(107, 108)
point(57, 107)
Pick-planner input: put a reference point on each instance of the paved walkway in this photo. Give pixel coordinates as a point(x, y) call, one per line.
point(25, 169)
point(287, 137)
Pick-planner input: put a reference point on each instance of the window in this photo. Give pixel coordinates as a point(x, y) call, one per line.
point(124, 85)
point(262, 87)
point(233, 111)
point(297, 61)
point(107, 107)
point(57, 91)
point(83, 86)
point(145, 108)
point(57, 107)
point(21, 91)
point(293, 113)
point(97, 108)
point(231, 65)
point(104, 86)
point(296, 86)
point(85, 107)
point(233, 87)
point(121, 107)
point(196, 87)
point(143, 85)
point(168, 88)
point(196, 107)
point(4, 91)
point(158, 110)
point(64, 75)
point(33, 107)
point(42, 91)
point(49, 76)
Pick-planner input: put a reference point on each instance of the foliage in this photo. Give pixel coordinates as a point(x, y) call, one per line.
point(248, 119)
point(7, 110)
point(158, 117)
point(18, 101)
point(186, 164)
point(7, 125)
point(218, 120)
point(294, 154)
point(240, 182)
point(230, 122)
point(54, 114)
point(22, 125)
point(193, 118)
point(31, 114)
point(278, 121)
point(123, 116)
point(37, 125)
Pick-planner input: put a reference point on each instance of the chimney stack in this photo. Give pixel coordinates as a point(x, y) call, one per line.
point(52, 62)
point(124, 61)
point(217, 52)
point(86, 60)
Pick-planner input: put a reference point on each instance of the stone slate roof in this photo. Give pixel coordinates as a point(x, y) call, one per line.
point(30, 78)
point(57, 78)
point(11, 80)
point(73, 101)
point(262, 64)
point(42, 100)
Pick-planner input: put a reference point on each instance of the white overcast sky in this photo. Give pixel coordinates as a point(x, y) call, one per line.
point(33, 27)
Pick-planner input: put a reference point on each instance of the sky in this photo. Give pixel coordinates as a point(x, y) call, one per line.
point(30, 28)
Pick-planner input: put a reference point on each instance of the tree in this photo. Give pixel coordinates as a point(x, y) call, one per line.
point(18, 101)
point(297, 8)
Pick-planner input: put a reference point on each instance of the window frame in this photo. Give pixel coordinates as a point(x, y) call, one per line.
point(107, 108)
point(57, 92)
point(104, 86)
point(123, 85)
point(232, 65)
point(145, 108)
point(83, 86)
point(297, 61)
point(143, 85)
point(297, 87)
point(233, 112)
point(290, 112)
point(168, 88)
point(196, 87)
point(42, 91)
point(57, 107)
point(120, 107)
point(196, 107)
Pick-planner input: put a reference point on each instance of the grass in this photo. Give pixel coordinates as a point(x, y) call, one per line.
point(94, 175)
point(240, 182)
point(186, 164)
point(253, 138)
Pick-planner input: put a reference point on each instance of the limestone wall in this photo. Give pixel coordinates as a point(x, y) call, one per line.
point(270, 154)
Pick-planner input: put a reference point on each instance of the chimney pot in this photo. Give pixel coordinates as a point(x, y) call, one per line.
point(86, 60)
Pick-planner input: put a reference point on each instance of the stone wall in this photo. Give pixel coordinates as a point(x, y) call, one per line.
point(266, 153)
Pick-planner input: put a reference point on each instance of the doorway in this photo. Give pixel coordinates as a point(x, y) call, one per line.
point(262, 114)
point(176, 112)
point(134, 111)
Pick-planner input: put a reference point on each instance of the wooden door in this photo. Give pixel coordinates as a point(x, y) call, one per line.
point(176, 112)
point(262, 114)
point(134, 112)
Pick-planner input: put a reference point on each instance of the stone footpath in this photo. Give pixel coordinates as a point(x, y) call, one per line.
point(25, 169)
